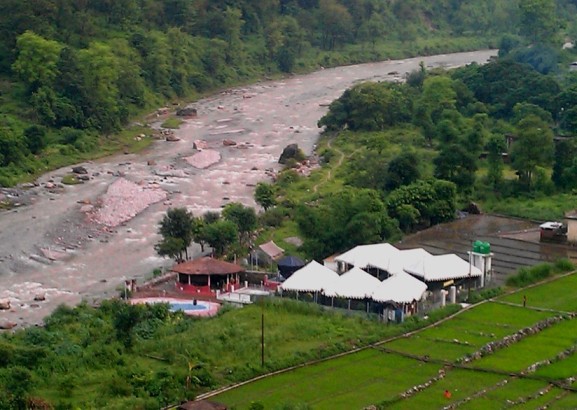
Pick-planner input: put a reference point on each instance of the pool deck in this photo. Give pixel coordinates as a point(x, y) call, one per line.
point(212, 307)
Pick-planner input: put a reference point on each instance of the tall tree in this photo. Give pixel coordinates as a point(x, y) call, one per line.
point(335, 23)
point(565, 154)
point(496, 146)
point(37, 60)
point(402, 170)
point(220, 235)
point(264, 195)
point(456, 164)
point(538, 20)
point(176, 228)
point(243, 217)
point(533, 148)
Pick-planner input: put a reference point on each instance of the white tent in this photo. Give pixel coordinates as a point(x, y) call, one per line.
point(395, 262)
point(399, 288)
point(363, 255)
point(442, 267)
point(354, 284)
point(313, 277)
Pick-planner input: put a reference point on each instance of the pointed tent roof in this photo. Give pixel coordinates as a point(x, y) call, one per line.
point(313, 277)
point(354, 284)
point(395, 262)
point(399, 288)
point(442, 267)
point(271, 249)
point(207, 266)
point(363, 255)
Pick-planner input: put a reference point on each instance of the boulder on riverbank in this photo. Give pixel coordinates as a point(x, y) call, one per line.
point(291, 151)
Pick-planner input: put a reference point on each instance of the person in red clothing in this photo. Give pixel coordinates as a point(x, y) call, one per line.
point(447, 394)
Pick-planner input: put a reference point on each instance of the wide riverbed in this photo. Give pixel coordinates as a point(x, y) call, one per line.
point(47, 248)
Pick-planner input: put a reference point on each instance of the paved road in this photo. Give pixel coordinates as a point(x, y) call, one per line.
point(262, 118)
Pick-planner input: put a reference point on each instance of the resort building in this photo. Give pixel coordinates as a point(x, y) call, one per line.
point(206, 276)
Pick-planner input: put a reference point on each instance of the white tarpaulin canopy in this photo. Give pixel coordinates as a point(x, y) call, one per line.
point(362, 255)
point(354, 284)
point(442, 267)
point(395, 262)
point(399, 288)
point(313, 277)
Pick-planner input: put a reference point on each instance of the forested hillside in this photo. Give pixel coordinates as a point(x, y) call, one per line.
point(72, 72)
point(501, 134)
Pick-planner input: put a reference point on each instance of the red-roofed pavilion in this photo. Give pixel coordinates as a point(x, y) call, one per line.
point(207, 275)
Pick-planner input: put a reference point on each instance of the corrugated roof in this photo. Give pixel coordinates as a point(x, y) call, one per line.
point(207, 265)
point(442, 267)
point(399, 288)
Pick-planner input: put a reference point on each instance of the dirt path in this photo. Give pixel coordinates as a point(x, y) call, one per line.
point(91, 262)
point(337, 165)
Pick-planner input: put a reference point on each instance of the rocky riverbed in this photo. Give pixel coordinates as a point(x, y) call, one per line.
point(64, 243)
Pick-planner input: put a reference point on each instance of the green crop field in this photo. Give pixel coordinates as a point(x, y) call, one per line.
point(428, 360)
point(351, 381)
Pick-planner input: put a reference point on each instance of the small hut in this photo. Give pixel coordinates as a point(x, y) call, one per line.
point(206, 275)
point(289, 265)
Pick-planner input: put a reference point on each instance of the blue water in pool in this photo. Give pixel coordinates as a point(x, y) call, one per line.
point(175, 306)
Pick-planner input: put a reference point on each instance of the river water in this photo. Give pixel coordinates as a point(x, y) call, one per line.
point(90, 263)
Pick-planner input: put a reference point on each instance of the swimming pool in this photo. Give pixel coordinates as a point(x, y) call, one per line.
point(188, 306)
point(201, 308)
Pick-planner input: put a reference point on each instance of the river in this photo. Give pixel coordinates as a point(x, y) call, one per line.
point(46, 247)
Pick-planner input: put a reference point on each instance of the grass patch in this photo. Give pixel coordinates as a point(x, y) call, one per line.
point(172, 123)
point(540, 208)
point(528, 275)
point(70, 179)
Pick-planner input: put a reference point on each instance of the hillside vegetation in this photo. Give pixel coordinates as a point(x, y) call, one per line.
point(72, 74)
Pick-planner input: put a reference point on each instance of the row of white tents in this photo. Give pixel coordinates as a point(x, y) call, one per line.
point(407, 271)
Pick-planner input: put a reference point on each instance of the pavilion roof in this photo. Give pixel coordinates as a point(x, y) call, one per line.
point(207, 266)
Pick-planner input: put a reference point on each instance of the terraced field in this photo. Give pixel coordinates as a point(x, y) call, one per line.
point(497, 354)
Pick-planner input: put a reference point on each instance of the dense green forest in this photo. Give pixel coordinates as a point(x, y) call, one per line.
point(73, 73)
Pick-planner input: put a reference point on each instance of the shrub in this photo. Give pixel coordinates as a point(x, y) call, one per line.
point(564, 265)
point(529, 275)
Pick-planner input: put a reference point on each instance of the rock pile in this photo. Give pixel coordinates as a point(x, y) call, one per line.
point(124, 200)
